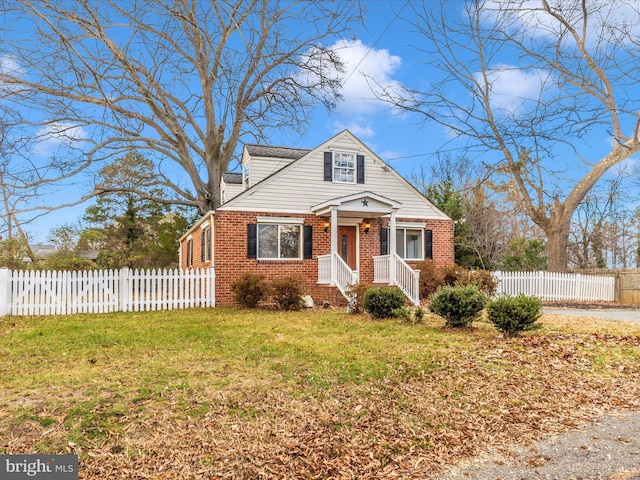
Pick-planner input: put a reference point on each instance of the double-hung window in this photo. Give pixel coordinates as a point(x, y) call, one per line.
point(344, 167)
point(205, 244)
point(278, 240)
point(189, 256)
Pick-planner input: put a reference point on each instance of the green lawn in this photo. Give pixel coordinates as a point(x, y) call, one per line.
point(225, 393)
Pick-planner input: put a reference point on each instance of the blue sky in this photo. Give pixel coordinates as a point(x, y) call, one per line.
point(383, 49)
point(379, 50)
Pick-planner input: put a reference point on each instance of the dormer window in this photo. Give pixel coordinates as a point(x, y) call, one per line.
point(246, 170)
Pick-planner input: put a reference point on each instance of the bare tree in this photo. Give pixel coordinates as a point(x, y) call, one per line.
point(25, 181)
point(487, 216)
point(596, 223)
point(536, 86)
point(181, 81)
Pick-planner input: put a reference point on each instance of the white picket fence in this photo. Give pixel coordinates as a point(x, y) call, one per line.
point(553, 286)
point(100, 291)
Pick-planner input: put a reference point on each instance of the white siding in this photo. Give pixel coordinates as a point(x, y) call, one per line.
point(301, 185)
point(230, 190)
point(261, 167)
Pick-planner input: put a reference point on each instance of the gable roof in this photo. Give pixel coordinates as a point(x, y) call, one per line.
point(297, 187)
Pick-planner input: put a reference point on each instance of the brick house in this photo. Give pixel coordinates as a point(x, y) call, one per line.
point(330, 216)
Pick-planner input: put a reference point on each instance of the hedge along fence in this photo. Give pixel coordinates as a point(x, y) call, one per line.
point(552, 286)
point(102, 291)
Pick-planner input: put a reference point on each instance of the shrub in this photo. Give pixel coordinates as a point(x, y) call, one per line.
point(513, 315)
point(483, 279)
point(418, 314)
point(357, 292)
point(458, 305)
point(287, 293)
point(381, 302)
point(430, 278)
point(403, 313)
point(249, 290)
point(453, 275)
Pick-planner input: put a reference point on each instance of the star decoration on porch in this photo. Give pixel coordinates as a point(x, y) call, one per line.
point(365, 202)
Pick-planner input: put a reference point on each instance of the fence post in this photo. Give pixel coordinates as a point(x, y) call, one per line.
point(416, 287)
point(125, 290)
point(212, 287)
point(5, 291)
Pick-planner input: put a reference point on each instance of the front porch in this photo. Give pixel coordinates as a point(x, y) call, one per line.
point(351, 253)
point(341, 276)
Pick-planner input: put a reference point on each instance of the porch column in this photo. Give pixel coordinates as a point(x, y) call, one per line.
point(334, 245)
point(392, 247)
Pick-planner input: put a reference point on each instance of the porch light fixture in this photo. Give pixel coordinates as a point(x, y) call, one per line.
point(326, 226)
point(367, 226)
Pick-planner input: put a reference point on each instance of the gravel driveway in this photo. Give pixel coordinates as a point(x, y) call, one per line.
point(608, 313)
point(608, 449)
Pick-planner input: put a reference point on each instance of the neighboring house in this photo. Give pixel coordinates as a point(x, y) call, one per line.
point(330, 216)
point(43, 251)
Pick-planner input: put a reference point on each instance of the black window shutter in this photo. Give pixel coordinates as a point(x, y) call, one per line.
point(360, 166)
point(252, 243)
point(384, 241)
point(328, 166)
point(202, 246)
point(428, 244)
point(308, 242)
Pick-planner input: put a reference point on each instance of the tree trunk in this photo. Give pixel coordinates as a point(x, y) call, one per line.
point(557, 242)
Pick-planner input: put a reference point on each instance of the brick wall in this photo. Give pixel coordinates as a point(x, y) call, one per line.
point(196, 236)
point(230, 247)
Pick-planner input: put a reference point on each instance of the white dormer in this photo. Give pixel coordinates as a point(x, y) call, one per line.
point(259, 161)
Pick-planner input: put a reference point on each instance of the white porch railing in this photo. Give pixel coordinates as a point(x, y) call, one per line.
point(381, 269)
point(406, 278)
point(344, 275)
point(324, 269)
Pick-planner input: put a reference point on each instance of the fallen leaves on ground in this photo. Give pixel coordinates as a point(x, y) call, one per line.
point(408, 424)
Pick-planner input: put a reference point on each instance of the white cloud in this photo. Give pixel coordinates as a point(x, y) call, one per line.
point(606, 16)
point(511, 87)
point(359, 127)
point(56, 135)
point(9, 66)
point(366, 72)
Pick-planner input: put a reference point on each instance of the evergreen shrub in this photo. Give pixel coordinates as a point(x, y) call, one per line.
point(381, 302)
point(458, 305)
point(514, 314)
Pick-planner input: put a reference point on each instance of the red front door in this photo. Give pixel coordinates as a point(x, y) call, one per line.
point(347, 245)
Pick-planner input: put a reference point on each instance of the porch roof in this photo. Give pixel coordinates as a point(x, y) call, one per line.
point(363, 204)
